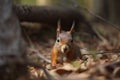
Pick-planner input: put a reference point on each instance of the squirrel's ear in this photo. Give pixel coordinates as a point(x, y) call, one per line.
point(72, 28)
point(58, 28)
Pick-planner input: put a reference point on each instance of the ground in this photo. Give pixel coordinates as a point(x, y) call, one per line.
point(100, 58)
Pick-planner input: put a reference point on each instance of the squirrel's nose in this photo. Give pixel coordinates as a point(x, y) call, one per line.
point(64, 48)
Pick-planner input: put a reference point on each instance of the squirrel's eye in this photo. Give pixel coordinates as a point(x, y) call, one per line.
point(58, 40)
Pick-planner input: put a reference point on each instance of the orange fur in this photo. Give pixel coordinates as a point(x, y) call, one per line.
point(64, 50)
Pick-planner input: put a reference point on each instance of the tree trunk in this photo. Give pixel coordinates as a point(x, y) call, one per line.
point(11, 44)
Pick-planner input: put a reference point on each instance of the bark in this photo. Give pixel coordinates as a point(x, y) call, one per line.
point(11, 43)
point(47, 14)
point(10, 32)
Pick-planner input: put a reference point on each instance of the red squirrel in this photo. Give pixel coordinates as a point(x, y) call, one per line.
point(64, 49)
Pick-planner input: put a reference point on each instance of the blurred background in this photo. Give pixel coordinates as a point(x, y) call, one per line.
point(106, 27)
point(96, 33)
point(109, 9)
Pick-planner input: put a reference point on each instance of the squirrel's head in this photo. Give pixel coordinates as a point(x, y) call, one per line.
point(64, 40)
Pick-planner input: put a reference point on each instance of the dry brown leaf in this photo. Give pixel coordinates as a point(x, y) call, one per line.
point(63, 71)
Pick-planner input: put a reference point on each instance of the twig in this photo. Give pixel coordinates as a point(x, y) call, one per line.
point(109, 51)
point(41, 56)
point(39, 66)
point(95, 15)
point(103, 51)
point(33, 47)
point(101, 18)
point(114, 64)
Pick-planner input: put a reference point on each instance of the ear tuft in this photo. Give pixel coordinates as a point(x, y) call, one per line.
point(72, 27)
point(58, 27)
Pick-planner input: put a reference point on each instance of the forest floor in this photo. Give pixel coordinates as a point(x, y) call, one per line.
point(100, 58)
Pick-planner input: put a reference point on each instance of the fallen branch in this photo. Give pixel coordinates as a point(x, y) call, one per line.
point(38, 66)
point(103, 52)
point(48, 14)
point(51, 14)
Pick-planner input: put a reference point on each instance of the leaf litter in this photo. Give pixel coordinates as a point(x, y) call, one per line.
point(99, 62)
